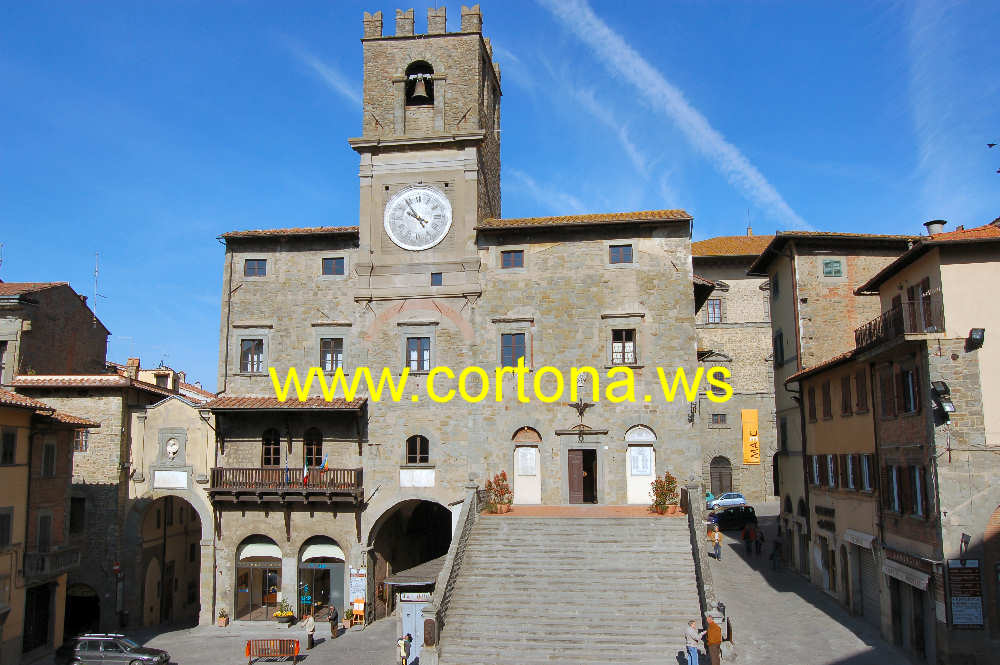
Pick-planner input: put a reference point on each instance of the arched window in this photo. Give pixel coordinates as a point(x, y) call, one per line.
point(721, 471)
point(313, 447)
point(417, 450)
point(527, 435)
point(270, 448)
point(419, 84)
point(640, 433)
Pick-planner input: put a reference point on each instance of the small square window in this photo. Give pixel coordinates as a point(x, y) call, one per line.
point(162, 380)
point(417, 450)
point(252, 356)
point(331, 354)
point(832, 268)
point(9, 450)
point(436, 279)
point(714, 310)
point(513, 258)
point(333, 266)
point(718, 419)
point(621, 253)
point(418, 354)
point(512, 348)
point(255, 268)
point(623, 347)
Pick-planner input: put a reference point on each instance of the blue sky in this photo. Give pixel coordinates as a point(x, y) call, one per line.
point(143, 130)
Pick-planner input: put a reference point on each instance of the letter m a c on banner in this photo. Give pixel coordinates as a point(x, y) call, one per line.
point(751, 437)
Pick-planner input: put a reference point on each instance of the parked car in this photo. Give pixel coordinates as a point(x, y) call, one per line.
point(106, 648)
point(734, 517)
point(726, 500)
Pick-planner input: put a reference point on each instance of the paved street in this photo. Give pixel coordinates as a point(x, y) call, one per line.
point(778, 617)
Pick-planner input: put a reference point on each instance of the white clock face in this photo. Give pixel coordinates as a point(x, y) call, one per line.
point(417, 217)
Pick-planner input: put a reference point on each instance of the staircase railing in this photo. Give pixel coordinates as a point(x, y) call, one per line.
point(693, 501)
point(438, 607)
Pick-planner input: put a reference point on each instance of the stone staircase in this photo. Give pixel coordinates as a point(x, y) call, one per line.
point(572, 590)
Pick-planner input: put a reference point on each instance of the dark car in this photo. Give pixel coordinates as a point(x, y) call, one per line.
point(107, 648)
point(734, 517)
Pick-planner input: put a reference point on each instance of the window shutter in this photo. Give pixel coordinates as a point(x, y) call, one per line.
point(843, 471)
point(900, 405)
point(886, 489)
point(823, 473)
point(924, 494)
point(905, 476)
point(856, 471)
point(916, 390)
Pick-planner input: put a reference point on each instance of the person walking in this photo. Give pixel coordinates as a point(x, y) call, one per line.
point(334, 621)
point(310, 625)
point(717, 540)
point(692, 639)
point(747, 536)
point(758, 543)
point(404, 648)
point(713, 640)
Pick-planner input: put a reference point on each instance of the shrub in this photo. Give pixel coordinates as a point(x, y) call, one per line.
point(664, 492)
point(498, 491)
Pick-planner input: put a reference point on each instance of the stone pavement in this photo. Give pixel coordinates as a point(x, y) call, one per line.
point(779, 618)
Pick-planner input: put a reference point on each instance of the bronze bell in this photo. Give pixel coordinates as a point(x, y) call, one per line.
point(420, 91)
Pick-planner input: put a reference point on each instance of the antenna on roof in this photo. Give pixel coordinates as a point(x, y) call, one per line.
point(749, 228)
point(97, 268)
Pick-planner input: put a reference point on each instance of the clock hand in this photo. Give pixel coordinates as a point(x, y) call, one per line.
point(417, 217)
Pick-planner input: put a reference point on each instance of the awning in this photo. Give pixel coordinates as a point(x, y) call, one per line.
point(321, 551)
point(914, 578)
point(258, 549)
point(859, 538)
point(421, 575)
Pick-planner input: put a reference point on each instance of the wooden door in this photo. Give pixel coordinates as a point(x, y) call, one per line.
point(575, 458)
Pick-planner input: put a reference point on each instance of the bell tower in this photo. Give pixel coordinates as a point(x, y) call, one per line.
point(430, 145)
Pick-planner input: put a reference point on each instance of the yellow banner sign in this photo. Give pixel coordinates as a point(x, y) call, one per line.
point(751, 440)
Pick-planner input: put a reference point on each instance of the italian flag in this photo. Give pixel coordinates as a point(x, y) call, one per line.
point(305, 473)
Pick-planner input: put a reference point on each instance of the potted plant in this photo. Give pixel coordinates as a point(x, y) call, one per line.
point(499, 493)
point(664, 493)
point(223, 618)
point(284, 612)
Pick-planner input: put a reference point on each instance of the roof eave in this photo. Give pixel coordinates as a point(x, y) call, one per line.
point(577, 225)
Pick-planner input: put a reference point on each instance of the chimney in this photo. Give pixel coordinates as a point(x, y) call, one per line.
point(182, 376)
point(472, 19)
point(404, 23)
point(437, 23)
point(935, 226)
point(373, 24)
point(132, 368)
point(749, 231)
point(83, 298)
point(960, 227)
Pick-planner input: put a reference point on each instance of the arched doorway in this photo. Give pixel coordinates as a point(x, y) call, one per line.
point(83, 610)
point(258, 578)
point(721, 473)
point(170, 564)
point(640, 464)
point(408, 534)
point(527, 471)
point(321, 578)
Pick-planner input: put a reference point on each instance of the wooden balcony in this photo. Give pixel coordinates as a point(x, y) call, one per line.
point(259, 485)
point(53, 562)
point(913, 317)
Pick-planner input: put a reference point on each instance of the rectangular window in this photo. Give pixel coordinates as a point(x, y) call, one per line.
point(314, 450)
point(512, 347)
point(861, 385)
point(252, 356)
point(779, 348)
point(866, 472)
point(6, 525)
point(895, 498)
point(333, 266)
point(831, 470)
point(331, 354)
point(513, 258)
point(436, 279)
point(718, 419)
point(783, 433)
point(8, 454)
point(417, 450)
point(418, 354)
point(621, 253)
point(909, 391)
point(815, 469)
point(81, 440)
point(162, 379)
point(918, 491)
point(832, 268)
point(270, 452)
point(77, 514)
point(811, 403)
point(714, 310)
point(255, 268)
point(623, 347)
point(49, 459)
point(827, 401)
point(43, 533)
point(846, 404)
point(849, 462)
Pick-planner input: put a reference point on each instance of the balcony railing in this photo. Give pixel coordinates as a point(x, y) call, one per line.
point(339, 481)
point(53, 562)
point(925, 315)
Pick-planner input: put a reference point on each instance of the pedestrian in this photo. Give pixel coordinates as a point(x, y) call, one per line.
point(692, 638)
point(310, 625)
point(747, 535)
point(404, 648)
point(713, 640)
point(775, 554)
point(758, 544)
point(717, 539)
point(334, 621)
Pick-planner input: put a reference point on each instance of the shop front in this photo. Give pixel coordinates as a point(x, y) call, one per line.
point(258, 579)
point(321, 579)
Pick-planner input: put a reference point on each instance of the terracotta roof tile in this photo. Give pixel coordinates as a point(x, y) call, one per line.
point(759, 266)
point(85, 381)
point(491, 223)
point(731, 246)
point(826, 364)
point(201, 392)
point(301, 231)
point(20, 288)
point(985, 232)
point(8, 398)
point(704, 281)
point(270, 403)
point(69, 419)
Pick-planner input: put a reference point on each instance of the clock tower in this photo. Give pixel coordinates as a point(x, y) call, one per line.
point(430, 154)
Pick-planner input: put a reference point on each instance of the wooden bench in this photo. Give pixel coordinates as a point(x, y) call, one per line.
point(275, 648)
